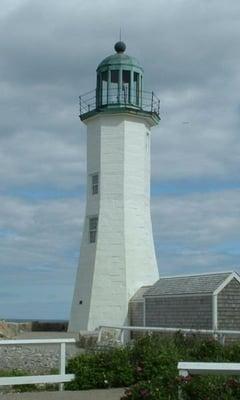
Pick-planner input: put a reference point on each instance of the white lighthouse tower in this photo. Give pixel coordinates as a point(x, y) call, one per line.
point(117, 253)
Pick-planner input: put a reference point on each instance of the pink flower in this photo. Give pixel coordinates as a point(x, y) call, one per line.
point(144, 393)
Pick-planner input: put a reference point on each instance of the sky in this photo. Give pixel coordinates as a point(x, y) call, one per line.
point(49, 53)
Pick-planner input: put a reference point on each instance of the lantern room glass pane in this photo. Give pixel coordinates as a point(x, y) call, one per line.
point(135, 92)
point(126, 86)
point(104, 81)
point(113, 94)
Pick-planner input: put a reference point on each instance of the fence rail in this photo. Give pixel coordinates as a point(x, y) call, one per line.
point(145, 101)
point(218, 334)
point(60, 378)
point(206, 368)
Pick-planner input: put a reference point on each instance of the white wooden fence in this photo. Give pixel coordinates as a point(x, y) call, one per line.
point(206, 368)
point(25, 380)
point(218, 334)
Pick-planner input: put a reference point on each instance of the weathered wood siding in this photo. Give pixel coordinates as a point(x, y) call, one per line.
point(136, 313)
point(229, 306)
point(180, 312)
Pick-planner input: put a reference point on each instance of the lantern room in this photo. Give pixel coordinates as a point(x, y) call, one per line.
point(119, 88)
point(119, 80)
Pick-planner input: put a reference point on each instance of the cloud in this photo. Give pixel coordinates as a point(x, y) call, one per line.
point(197, 232)
point(39, 249)
point(49, 53)
point(40, 243)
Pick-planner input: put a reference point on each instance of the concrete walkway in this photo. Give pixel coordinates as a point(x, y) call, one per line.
point(109, 394)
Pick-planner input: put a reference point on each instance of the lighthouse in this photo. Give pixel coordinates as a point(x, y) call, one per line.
point(117, 254)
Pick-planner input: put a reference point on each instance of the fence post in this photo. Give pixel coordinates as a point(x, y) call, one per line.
point(222, 339)
point(99, 334)
point(62, 363)
point(122, 336)
point(182, 374)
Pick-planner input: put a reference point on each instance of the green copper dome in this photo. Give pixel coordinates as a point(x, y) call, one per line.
point(119, 59)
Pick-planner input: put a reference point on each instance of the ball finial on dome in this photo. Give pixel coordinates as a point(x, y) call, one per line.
point(120, 47)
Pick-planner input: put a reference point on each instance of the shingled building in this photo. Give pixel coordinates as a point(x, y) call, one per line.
point(209, 301)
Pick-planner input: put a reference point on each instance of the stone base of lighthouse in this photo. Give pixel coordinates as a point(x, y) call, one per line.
point(122, 259)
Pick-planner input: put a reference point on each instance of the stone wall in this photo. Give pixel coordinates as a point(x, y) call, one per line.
point(194, 312)
point(229, 306)
point(37, 359)
point(45, 326)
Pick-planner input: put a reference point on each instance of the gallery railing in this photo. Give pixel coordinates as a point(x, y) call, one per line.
point(95, 100)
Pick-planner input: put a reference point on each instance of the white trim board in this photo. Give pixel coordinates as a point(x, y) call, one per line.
point(234, 275)
point(214, 312)
point(201, 274)
point(163, 296)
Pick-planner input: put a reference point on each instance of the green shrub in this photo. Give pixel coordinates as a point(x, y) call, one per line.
point(232, 352)
point(103, 369)
point(211, 388)
point(147, 390)
point(148, 368)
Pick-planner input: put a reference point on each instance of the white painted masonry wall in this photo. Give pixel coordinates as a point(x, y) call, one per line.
point(123, 258)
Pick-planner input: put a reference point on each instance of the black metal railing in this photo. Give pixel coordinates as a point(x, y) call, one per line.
point(94, 100)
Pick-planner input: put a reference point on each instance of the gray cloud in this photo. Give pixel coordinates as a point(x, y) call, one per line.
point(49, 53)
point(197, 232)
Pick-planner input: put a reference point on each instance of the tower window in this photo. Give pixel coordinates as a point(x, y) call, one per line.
point(93, 221)
point(95, 184)
point(114, 76)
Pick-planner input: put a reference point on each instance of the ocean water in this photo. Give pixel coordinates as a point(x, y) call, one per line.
point(35, 320)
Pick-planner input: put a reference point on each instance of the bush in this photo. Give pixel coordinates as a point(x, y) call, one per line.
point(103, 369)
point(210, 388)
point(148, 368)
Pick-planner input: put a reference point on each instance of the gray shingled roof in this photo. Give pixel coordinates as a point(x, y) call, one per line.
point(138, 296)
point(207, 283)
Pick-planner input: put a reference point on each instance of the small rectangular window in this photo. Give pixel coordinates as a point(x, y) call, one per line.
point(105, 76)
point(95, 184)
point(126, 76)
point(135, 93)
point(104, 84)
point(93, 221)
point(114, 76)
point(136, 77)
